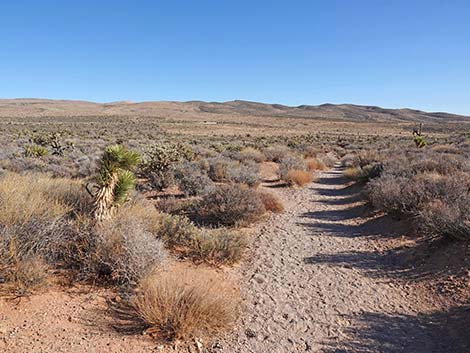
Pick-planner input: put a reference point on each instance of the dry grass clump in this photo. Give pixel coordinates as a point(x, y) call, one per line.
point(230, 205)
point(22, 276)
point(37, 197)
point(185, 304)
point(297, 177)
point(212, 246)
point(315, 164)
point(271, 202)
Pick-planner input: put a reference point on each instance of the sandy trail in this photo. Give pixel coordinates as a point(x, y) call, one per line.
point(315, 283)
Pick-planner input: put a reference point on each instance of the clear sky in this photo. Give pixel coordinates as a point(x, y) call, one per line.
point(395, 53)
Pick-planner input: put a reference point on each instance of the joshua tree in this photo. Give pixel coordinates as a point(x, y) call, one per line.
point(114, 181)
point(420, 141)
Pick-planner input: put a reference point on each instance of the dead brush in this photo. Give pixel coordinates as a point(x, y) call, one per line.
point(297, 177)
point(271, 202)
point(21, 273)
point(315, 164)
point(185, 304)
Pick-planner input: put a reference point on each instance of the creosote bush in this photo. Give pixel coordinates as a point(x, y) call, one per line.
point(185, 304)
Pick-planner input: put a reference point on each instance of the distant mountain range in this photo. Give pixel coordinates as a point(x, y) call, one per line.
point(338, 112)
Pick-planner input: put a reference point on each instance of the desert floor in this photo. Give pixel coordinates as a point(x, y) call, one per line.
point(317, 279)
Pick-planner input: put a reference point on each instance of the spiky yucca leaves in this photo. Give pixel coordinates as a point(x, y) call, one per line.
point(114, 181)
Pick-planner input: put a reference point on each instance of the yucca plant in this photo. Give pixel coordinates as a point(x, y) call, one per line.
point(114, 181)
point(35, 151)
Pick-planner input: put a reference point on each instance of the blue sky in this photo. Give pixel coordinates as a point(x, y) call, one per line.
point(392, 53)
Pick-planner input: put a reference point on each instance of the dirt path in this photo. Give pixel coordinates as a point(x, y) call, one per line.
point(316, 283)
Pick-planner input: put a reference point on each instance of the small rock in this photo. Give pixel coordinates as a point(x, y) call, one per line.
point(250, 333)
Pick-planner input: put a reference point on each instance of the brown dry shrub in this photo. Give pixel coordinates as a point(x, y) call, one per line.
point(271, 202)
point(315, 164)
point(22, 276)
point(183, 304)
point(298, 177)
point(230, 205)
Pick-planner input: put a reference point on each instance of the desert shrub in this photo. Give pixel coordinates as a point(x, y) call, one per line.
point(328, 159)
point(185, 304)
point(288, 163)
point(315, 164)
point(251, 154)
point(365, 173)
point(175, 230)
point(22, 276)
point(393, 195)
point(213, 246)
point(311, 151)
point(159, 162)
point(175, 205)
point(271, 202)
point(191, 180)
point(297, 177)
point(276, 153)
point(247, 174)
point(35, 151)
point(21, 270)
point(219, 168)
point(442, 218)
point(126, 249)
point(217, 246)
point(230, 205)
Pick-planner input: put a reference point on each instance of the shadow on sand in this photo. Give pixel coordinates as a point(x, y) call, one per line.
point(438, 332)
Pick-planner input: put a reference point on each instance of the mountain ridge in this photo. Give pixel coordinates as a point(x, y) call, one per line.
point(31, 107)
